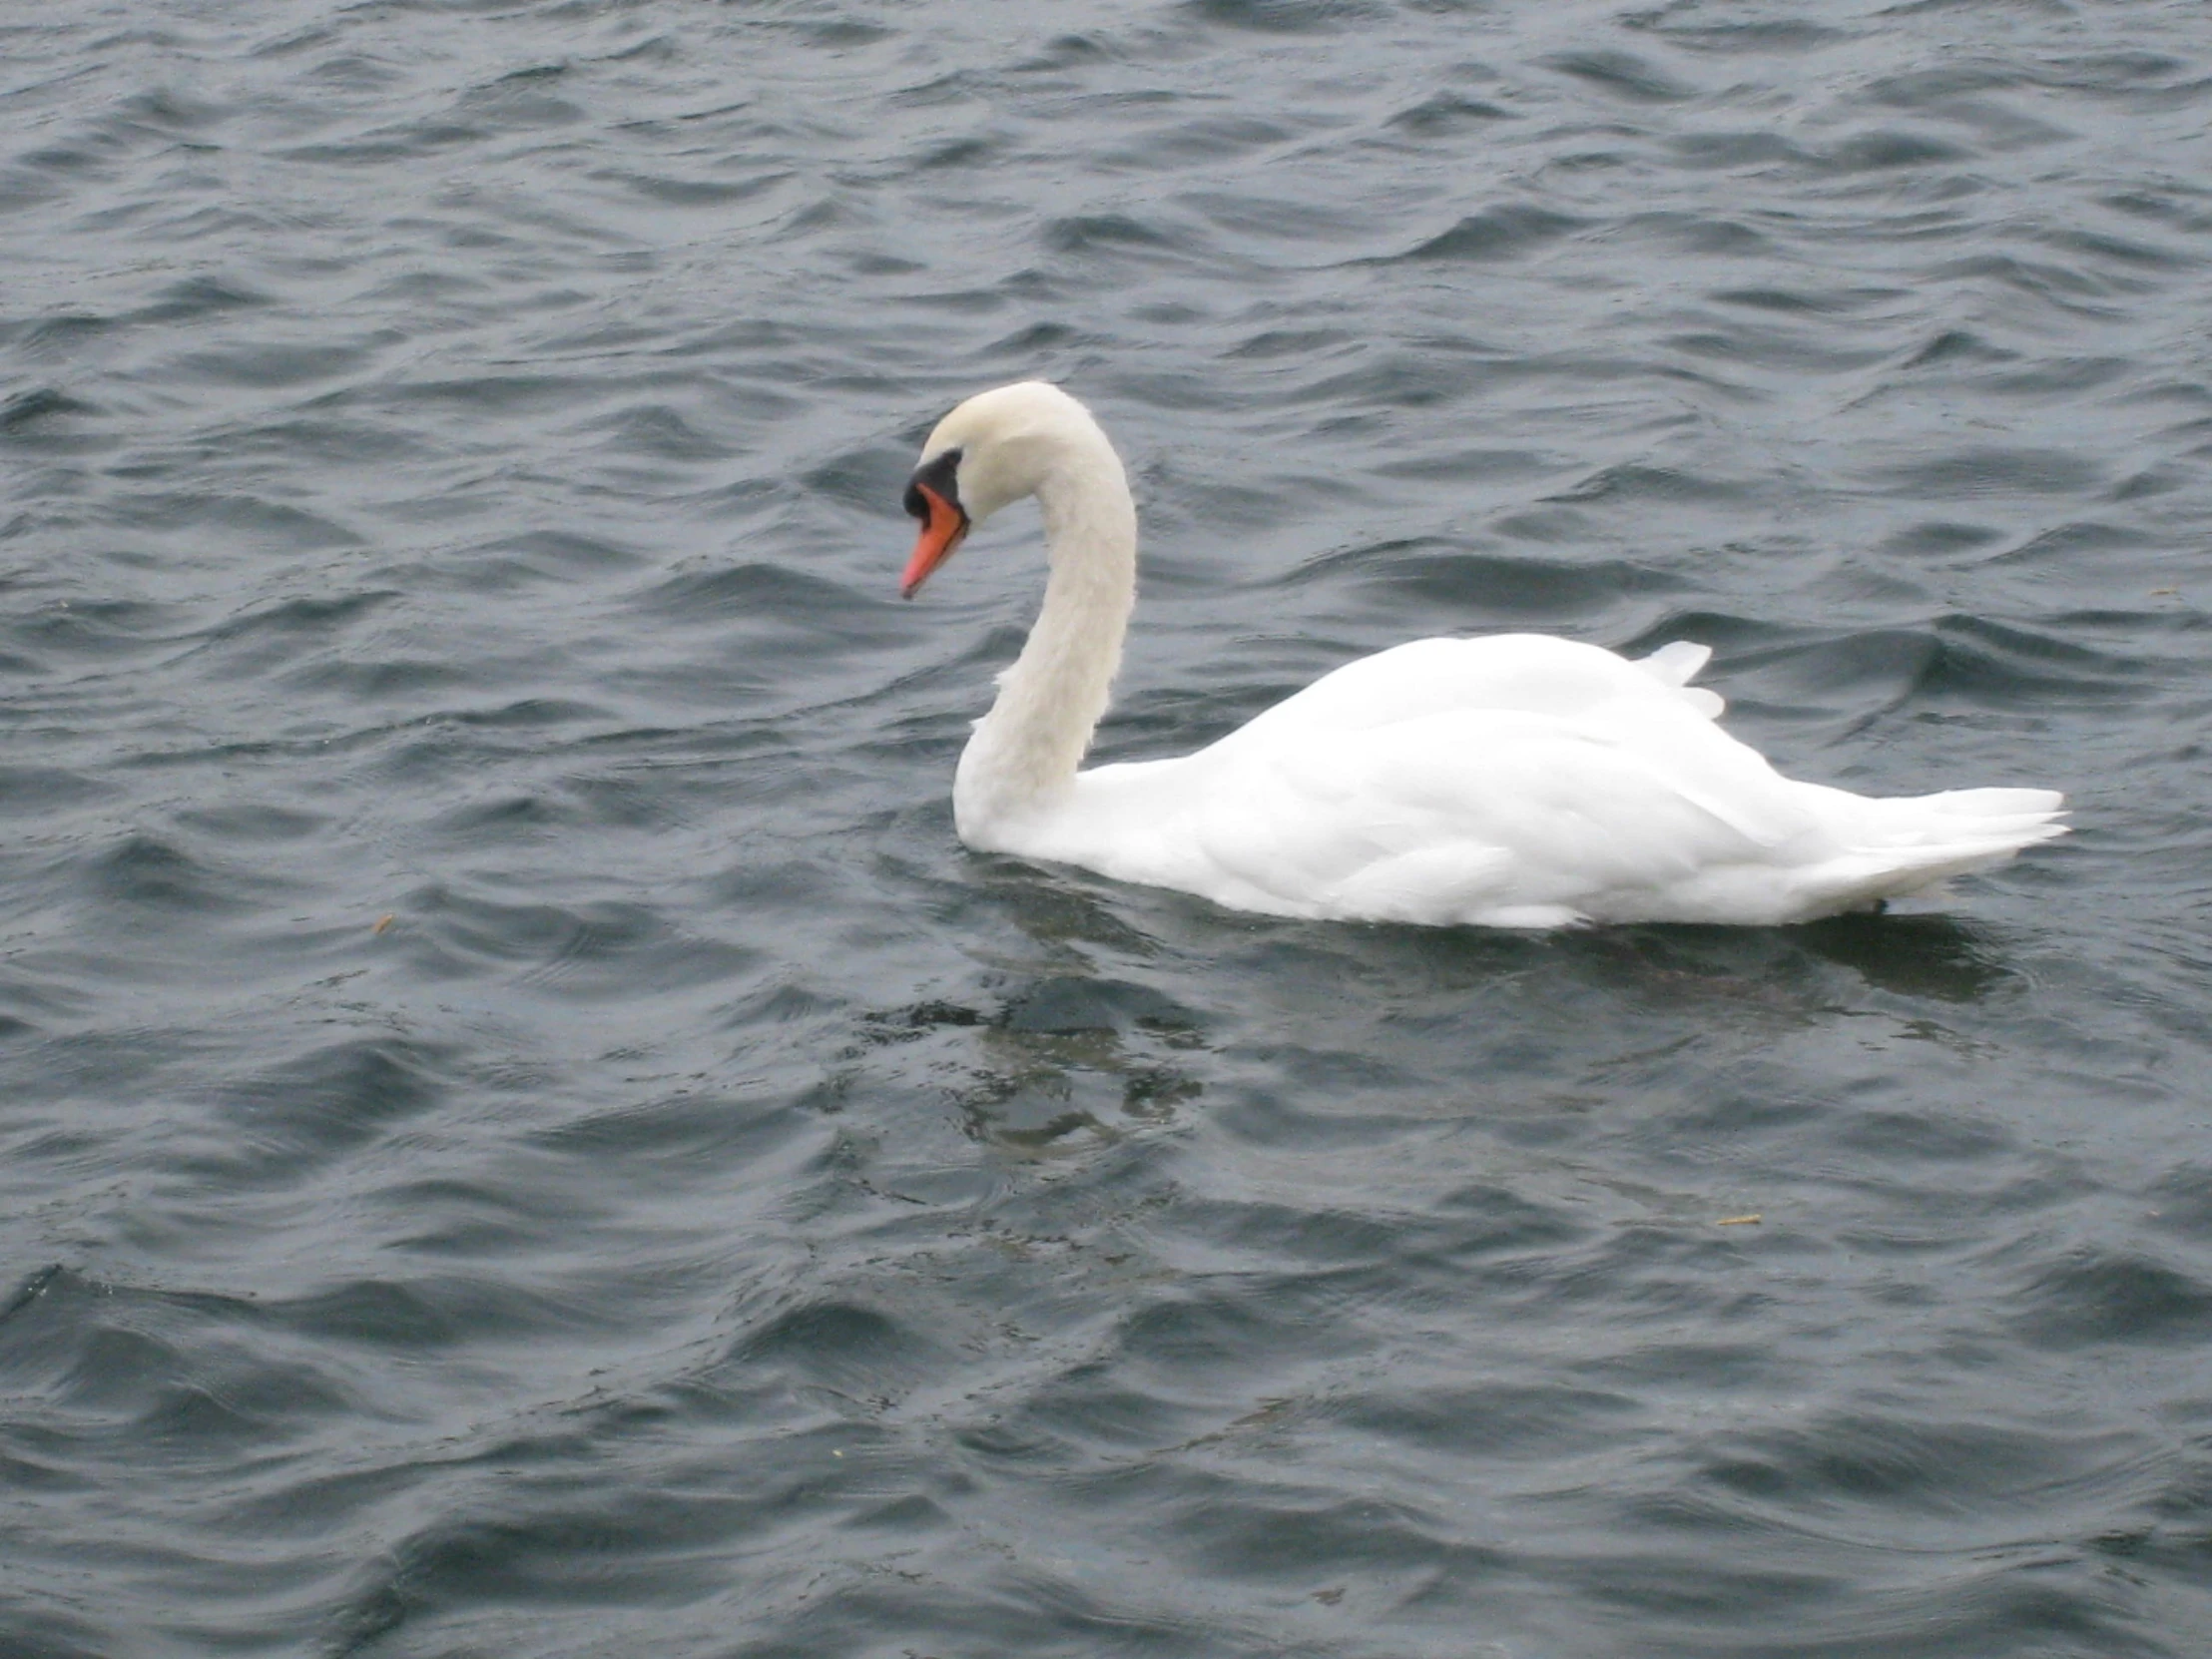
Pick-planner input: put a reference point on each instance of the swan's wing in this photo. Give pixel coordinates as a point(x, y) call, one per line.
point(1529, 673)
point(1495, 816)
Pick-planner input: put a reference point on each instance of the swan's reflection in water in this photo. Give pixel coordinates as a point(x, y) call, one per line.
point(1131, 1003)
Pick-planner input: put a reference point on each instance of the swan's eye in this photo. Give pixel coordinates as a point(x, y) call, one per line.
point(942, 475)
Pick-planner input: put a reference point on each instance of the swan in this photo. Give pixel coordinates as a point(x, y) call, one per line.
point(1513, 781)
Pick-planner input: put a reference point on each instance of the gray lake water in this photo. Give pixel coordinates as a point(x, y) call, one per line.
point(522, 1133)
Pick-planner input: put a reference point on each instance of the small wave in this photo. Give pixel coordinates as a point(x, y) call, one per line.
point(2100, 1296)
point(1505, 233)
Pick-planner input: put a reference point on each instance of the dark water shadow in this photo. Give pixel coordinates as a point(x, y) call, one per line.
point(1054, 1062)
point(1941, 956)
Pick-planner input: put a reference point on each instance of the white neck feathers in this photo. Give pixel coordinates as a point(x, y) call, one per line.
point(1025, 751)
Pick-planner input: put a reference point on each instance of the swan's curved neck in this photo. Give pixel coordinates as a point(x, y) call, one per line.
point(1024, 754)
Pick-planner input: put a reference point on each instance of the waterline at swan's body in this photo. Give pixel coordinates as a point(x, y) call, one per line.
point(1513, 781)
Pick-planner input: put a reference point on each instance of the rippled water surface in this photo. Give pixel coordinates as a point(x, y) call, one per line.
point(524, 1133)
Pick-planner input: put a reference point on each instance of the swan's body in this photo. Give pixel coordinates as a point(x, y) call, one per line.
point(1515, 781)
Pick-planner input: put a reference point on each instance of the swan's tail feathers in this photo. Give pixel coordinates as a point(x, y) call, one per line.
point(1676, 664)
point(1994, 807)
point(1920, 843)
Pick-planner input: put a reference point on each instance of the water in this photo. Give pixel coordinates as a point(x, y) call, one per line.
point(524, 1134)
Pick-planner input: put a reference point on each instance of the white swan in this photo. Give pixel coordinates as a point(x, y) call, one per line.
point(1515, 781)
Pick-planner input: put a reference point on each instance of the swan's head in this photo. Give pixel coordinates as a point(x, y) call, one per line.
point(994, 449)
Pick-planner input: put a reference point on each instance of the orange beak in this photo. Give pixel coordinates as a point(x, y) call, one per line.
point(941, 532)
